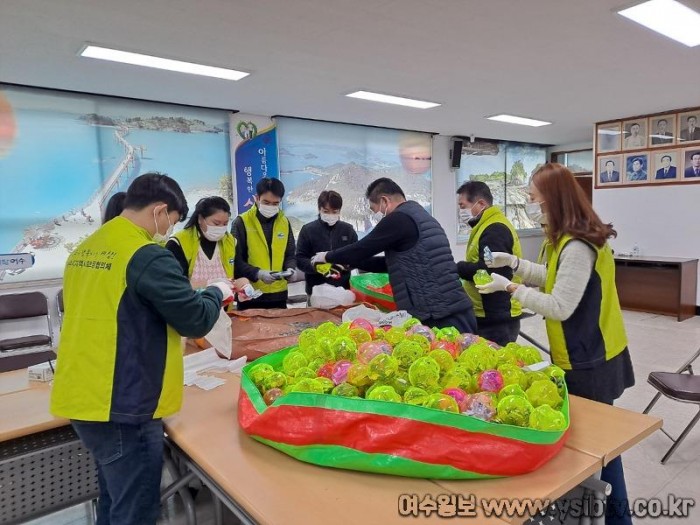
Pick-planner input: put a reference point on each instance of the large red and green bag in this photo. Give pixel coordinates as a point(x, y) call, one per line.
point(374, 288)
point(391, 438)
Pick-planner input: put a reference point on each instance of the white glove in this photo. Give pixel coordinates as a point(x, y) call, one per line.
point(319, 258)
point(501, 259)
point(266, 277)
point(296, 275)
point(499, 284)
point(225, 289)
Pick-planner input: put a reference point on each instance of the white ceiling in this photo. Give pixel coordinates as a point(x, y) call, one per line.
point(572, 62)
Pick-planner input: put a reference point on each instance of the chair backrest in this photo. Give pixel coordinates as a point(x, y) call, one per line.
point(23, 305)
point(59, 300)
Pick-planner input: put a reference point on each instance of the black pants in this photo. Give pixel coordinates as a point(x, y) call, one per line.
point(500, 333)
point(464, 321)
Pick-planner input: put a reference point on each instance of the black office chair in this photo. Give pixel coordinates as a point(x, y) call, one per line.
point(681, 387)
point(61, 308)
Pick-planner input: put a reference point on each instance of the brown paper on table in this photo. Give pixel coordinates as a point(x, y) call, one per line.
point(260, 331)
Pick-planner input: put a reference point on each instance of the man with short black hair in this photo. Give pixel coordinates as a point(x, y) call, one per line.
point(694, 169)
point(418, 259)
point(692, 132)
point(662, 135)
point(610, 174)
point(497, 314)
point(666, 171)
point(120, 369)
point(265, 247)
point(326, 233)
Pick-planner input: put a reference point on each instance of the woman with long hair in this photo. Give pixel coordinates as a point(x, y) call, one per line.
point(115, 206)
point(578, 299)
point(204, 248)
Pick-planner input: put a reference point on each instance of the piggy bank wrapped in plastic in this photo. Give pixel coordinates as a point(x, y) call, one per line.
point(514, 410)
point(361, 423)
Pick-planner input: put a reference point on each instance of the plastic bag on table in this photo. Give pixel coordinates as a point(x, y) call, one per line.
point(326, 296)
point(221, 335)
point(362, 312)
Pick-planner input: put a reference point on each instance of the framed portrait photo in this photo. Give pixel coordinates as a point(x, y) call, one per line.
point(608, 137)
point(665, 166)
point(636, 168)
point(689, 127)
point(691, 164)
point(662, 131)
point(609, 171)
point(634, 134)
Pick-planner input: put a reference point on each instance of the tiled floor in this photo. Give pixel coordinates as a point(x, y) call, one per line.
point(656, 343)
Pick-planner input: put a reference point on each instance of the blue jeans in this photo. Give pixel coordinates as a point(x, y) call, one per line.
point(129, 465)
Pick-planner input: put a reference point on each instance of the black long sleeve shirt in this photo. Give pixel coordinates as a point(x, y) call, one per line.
point(156, 278)
point(317, 236)
point(499, 239)
point(396, 231)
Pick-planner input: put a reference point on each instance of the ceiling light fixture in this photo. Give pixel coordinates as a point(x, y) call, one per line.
point(668, 17)
point(522, 121)
point(390, 99)
point(137, 59)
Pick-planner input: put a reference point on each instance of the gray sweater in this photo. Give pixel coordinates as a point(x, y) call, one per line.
point(575, 266)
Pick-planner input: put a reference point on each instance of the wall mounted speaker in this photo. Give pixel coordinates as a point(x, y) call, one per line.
point(456, 153)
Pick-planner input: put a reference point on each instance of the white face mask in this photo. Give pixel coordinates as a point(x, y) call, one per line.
point(330, 218)
point(534, 211)
point(268, 211)
point(465, 214)
point(379, 215)
point(161, 238)
point(215, 233)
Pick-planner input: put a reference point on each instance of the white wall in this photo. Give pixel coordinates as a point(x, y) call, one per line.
point(663, 220)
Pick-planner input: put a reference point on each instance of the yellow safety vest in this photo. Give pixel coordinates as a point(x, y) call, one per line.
point(491, 215)
point(259, 252)
point(89, 359)
point(595, 332)
point(189, 240)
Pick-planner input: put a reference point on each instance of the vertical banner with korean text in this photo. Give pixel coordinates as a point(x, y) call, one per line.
point(253, 155)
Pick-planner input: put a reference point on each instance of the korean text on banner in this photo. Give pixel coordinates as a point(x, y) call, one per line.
point(253, 155)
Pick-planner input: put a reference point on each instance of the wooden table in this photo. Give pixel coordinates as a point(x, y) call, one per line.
point(44, 467)
point(273, 488)
point(264, 485)
point(26, 412)
point(622, 429)
point(664, 285)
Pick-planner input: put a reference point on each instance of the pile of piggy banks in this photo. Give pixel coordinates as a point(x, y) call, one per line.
point(439, 369)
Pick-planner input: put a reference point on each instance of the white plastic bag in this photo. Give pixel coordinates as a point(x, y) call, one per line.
point(326, 296)
point(362, 312)
point(396, 318)
point(221, 336)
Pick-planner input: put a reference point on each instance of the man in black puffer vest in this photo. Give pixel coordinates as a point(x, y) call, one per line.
point(418, 259)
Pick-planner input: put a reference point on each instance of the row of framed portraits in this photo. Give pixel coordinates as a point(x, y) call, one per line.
point(649, 167)
point(658, 131)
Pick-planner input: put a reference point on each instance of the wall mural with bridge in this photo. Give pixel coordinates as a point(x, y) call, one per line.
point(63, 155)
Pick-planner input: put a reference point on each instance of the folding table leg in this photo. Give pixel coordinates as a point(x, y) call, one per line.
point(218, 511)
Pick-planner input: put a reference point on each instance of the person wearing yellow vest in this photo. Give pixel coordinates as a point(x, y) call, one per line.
point(578, 298)
point(115, 206)
point(204, 248)
point(265, 247)
point(497, 314)
point(119, 369)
